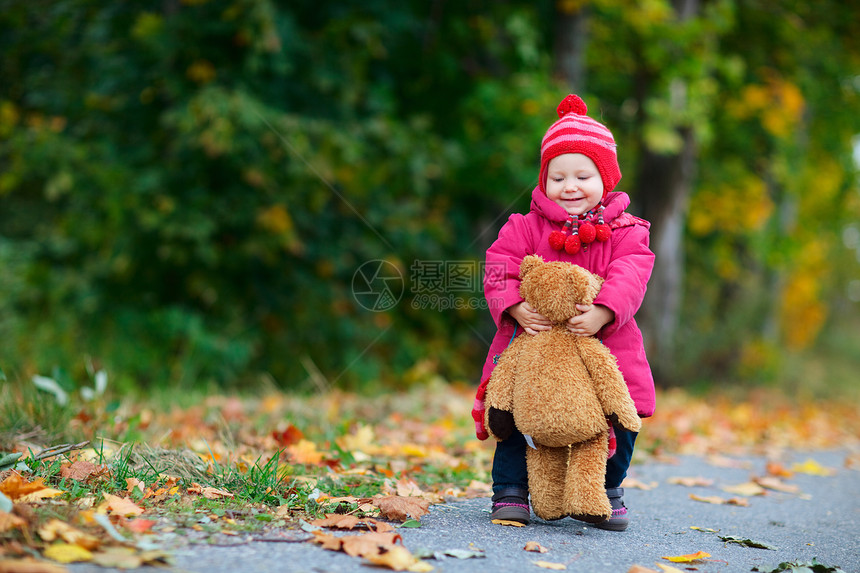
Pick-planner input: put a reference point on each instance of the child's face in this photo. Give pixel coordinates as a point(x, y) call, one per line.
point(574, 182)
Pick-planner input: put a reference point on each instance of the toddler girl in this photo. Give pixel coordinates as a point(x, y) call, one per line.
point(575, 216)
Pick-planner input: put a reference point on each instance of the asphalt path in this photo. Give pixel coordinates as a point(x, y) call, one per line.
point(820, 520)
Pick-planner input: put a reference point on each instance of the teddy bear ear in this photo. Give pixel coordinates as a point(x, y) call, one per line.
point(529, 263)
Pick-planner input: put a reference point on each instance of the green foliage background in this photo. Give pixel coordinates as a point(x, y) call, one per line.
point(188, 188)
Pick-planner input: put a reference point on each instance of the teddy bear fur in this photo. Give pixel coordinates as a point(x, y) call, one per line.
point(560, 389)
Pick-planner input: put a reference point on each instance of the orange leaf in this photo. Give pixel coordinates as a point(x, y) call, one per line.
point(209, 492)
point(535, 547)
point(9, 521)
point(122, 506)
point(29, 566)
point(288, 437)
point(689, 558)
point(19, 489)
point(139, 525)
point(508, 522)
point(305, 452)
point(399, 508)
point(397, 558)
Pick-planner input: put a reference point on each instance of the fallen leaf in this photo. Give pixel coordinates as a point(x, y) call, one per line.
point(399, 508)
point(305, 452)
point(16, 488)
point(67, 553)
point(550, 565)
point(691, 481)
point(812, 467)
point(338, 521)
point(82, 470)
point(704, 529)
point(121, 505)
point(747, 489)
point(135, 484)
point(56, 529)
point(29, 566)
point(778, 470)
point(668, 568)
point(291, 435)
point(536, 547)
point(118, 557)
point(10, 521)
point(717, 500)
point(726, 462)
point(208, 492)
point(368, 543)
point(777, 484)
point(139, 525)
point(640, 569)
point(745, 542)
point(633, 483)
point(689, 558)
point(397, 558)
point(508, 522)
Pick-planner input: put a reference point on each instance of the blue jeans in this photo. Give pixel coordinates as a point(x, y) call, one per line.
point(509, 462)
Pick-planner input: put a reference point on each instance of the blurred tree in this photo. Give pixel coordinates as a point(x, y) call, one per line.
point(189, 188)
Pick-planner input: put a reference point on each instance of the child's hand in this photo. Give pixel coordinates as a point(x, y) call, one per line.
point(592, 319)
point(530, 319)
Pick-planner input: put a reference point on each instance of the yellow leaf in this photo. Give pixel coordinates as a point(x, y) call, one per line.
point(508, 522)
point(689, 558)
point(56, 529)
point(747, 489)
point(550, 565)
point(812, 467)
point(395, 557)
point(67, 553)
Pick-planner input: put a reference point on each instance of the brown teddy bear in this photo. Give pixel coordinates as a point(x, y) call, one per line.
point(558, 389)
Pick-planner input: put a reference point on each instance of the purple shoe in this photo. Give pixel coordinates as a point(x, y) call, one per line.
point(511, 504)
point(619, 520)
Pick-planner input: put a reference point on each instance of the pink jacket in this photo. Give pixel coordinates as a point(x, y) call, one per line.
point(625, 261)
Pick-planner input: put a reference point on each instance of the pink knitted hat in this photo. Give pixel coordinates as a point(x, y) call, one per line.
point(575, 132)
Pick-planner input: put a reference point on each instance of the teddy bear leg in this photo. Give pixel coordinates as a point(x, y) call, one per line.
point(547, 468)
point(585, 496)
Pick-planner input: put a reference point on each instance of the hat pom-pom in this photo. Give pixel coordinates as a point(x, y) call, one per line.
point(572, 244)
point(603, 232)
point(571, 104)
point(587, 232)
point(556, 240)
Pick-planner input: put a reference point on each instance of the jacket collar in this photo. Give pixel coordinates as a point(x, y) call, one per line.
point(614, 204)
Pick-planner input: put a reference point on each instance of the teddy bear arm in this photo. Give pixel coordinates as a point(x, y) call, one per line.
point(609, 384)
point(499, 417)
point(500, 389)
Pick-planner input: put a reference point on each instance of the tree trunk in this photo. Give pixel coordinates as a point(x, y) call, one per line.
point(571, 38)
point(664, 183)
